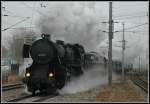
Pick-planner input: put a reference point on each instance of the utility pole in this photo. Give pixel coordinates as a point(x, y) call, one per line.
point(110, 45)
point(123, 49)
point(139, 64)
point(148, 37)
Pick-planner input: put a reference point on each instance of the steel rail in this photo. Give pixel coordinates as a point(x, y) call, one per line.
point(12, 86)
point(141, 83)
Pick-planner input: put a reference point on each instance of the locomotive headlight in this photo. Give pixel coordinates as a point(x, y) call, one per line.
point(50, 74)
point(27, 74)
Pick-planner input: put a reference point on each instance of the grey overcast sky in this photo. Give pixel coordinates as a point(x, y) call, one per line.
point(22, 9)
point(131, 13)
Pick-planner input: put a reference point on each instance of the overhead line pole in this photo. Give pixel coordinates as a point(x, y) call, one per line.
point(123, 49)
point(148, 38)
point(110, 45)
point(139, 65)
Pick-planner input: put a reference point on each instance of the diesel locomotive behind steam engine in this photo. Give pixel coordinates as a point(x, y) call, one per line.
point(53, 64)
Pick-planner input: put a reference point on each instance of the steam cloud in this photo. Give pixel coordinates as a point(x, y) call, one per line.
point(75, 22)
point(91, 78)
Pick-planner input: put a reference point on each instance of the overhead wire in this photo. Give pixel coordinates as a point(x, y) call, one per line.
point(6, 15)
point(133, 31)
point(131, 17)
point(15, 24)
point(34, 10)
point(21, 27)
point(8, 11)
point(132, 27)
point(12, 14)
point(133, 14)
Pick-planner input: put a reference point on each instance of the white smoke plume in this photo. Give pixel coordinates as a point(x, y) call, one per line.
point(75, 22)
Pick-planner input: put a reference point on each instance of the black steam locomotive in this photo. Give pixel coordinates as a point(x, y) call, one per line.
point(53, 64)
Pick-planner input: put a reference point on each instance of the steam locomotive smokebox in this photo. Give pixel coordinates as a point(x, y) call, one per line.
point(42, 51)
point(14, 69)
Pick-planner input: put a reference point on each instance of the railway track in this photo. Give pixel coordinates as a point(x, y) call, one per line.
point(20, 98)
point(30, 98)
point(140, 82)
point(39, 97)
point(45, 98)
point(12, 86)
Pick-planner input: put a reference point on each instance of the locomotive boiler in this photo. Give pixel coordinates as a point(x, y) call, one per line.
point(53, 64)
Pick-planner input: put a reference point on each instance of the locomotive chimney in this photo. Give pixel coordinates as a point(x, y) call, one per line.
point(46, 36)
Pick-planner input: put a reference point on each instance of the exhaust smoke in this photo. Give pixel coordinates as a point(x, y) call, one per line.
point(91, 78)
